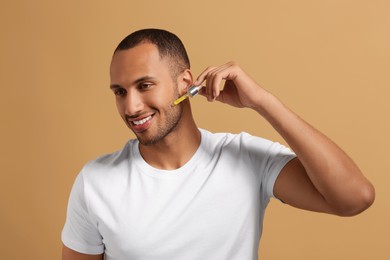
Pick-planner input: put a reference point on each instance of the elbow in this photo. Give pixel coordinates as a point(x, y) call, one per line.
point(361, 201)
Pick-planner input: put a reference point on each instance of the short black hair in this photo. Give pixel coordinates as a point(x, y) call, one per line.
point(168, 45)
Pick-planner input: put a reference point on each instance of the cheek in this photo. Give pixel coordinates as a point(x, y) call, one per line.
point(120, 107)
point(161, 98)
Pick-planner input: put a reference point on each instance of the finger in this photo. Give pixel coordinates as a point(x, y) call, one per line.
point(215, 79)
point(202, 91)
point(203, 76)
point(212, 83)
point(207, 76)
point(208, 85)
point(215, 85)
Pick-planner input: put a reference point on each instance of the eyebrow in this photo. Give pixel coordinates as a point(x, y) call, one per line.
point(139, 80)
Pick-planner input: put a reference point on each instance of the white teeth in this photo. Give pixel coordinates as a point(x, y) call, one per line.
point(142, 121)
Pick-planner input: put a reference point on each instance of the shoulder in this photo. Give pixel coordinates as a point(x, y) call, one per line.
point(245, 145)
point(104, 174)
point(242, 139)
point(105, 165)
point(114, 157)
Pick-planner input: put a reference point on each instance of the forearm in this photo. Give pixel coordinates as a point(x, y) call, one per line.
point(324, 178)
point(332, 172)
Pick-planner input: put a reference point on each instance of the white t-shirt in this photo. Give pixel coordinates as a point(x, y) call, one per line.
point(210, 208)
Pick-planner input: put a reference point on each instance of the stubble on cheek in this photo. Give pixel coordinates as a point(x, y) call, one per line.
point(166, 120)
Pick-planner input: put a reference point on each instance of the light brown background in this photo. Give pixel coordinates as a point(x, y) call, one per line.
point(328, 60)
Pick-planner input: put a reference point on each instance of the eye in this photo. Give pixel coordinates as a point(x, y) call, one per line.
point(144, 85)
point(119, 92)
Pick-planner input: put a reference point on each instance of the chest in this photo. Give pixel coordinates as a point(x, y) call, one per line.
point(205, 211)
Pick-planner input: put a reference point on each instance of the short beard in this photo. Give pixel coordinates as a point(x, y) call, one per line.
point(174, 115)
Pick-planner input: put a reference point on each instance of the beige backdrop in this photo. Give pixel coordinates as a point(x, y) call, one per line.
point(328, 60)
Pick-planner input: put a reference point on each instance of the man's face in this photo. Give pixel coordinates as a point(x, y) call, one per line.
point(144, 90)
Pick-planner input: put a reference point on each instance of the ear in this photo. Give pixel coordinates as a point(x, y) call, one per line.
point(184, 81)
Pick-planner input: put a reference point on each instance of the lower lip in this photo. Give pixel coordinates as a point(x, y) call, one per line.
point(142, 127)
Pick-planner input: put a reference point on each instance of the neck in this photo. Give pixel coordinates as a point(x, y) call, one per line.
point(177, 148)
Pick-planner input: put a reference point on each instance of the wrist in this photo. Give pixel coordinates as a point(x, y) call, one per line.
point(263, 102)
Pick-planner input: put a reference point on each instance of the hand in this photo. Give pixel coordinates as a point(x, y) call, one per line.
point(239, 89)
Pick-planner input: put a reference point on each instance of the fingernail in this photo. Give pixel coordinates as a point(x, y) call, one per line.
point(214, 94)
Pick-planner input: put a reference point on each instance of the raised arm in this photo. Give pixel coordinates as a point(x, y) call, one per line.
point(322, 178)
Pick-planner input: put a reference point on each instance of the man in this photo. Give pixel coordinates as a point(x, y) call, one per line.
point(179, 192)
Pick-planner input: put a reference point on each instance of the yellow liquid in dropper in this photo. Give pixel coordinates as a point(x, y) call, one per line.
point(191, 92)
point(180, 99)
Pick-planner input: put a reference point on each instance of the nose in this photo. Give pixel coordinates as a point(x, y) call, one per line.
point(133, 103)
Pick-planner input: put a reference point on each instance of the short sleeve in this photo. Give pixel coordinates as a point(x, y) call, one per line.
point(268, 159)
point(277, 157)
point(80, 232)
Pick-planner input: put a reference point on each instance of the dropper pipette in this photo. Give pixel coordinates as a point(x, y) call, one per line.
point(192, 91)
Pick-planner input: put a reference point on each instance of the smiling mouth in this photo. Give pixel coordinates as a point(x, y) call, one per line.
point(139, 124)
point(142, 121)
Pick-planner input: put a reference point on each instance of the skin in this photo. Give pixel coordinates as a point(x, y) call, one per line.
point(167, 151)
point(69, 254)
point(322, 178)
